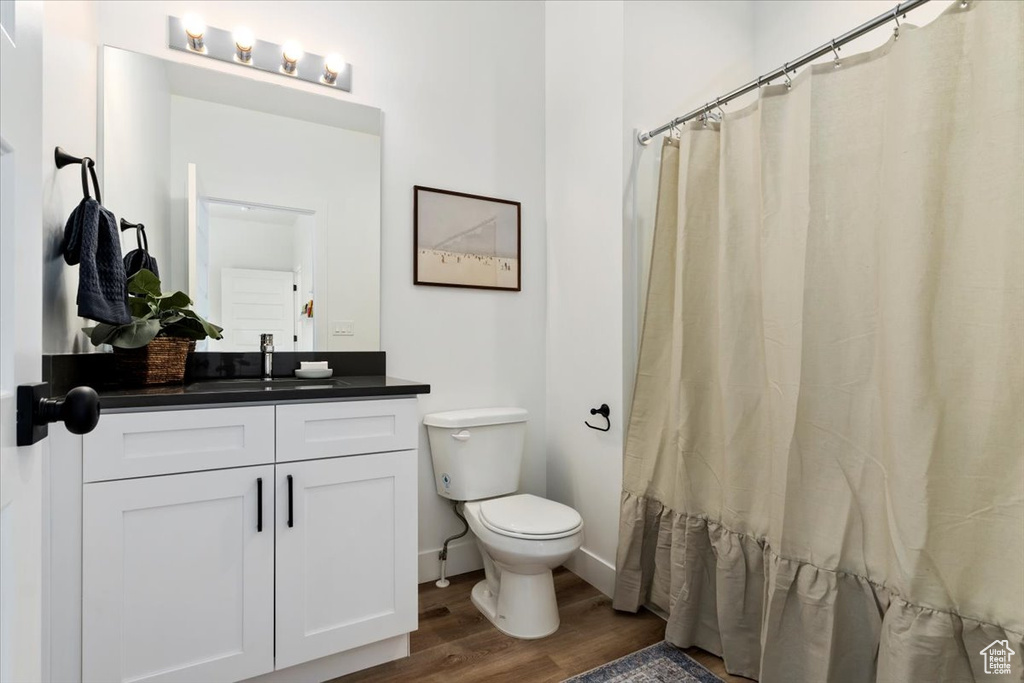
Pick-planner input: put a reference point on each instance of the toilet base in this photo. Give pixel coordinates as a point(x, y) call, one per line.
point(525, 606)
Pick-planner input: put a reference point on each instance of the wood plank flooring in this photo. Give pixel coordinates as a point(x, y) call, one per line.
point(456, 644)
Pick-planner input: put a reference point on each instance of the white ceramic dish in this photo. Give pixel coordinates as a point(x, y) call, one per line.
point(314, 374)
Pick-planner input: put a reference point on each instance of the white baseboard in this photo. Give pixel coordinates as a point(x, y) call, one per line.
point(463, 556)
point(593, 570)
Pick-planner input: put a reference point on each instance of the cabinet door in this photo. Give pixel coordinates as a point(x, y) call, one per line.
point(346, 553)
point(178, 578)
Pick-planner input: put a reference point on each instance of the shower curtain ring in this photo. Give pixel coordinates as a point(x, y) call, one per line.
point(896, 18)
point(789, 81)
point(836, 63)
point(718, 105)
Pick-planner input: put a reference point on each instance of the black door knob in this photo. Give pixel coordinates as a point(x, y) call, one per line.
point(79, 410)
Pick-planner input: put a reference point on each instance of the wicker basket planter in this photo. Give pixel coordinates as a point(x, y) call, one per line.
point(161, 361)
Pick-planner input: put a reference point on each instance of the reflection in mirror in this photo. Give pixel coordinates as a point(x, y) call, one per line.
point(255, 274)
point(262, 202)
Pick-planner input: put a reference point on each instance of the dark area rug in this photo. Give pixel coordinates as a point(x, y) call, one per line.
point(659, 663)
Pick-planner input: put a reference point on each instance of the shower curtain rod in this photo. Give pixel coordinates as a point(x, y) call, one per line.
point(832, 46)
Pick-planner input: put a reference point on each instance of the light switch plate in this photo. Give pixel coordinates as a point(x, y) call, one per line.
point(343, 328)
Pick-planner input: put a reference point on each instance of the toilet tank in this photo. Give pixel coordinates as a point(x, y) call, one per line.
point(476, 453)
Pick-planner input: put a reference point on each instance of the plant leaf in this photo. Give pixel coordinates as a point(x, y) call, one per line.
point(188, 328)
point(154, 313)
point(173, 300)
point(144, 282)
point(214, 331)
point(135, 334)
point(139, 307)
point(100, 333)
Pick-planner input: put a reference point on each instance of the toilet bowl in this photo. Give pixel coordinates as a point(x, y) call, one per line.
point(522, 538)
point(477, 455)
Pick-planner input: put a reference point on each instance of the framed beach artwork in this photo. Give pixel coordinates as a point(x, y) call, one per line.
point(465, 240)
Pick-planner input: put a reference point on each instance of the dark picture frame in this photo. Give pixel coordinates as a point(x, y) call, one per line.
point(465, 240)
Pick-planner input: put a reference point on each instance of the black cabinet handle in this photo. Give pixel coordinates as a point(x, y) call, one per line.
point(291, 521)
point(259, 504)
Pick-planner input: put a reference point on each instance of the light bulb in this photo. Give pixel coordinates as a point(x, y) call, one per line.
point(194, 30)
point(243, 44)
point(332, 67)
point(291, 54)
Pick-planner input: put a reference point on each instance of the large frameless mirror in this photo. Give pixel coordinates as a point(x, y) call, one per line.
point(262, 202)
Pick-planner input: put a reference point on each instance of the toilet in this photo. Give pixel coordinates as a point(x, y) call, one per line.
point(477, 457)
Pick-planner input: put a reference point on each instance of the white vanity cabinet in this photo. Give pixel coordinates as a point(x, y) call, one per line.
point(221, 544)
point(345, 576)
point(177, 577)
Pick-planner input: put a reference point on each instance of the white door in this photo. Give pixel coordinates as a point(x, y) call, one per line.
point(23, 629)
point(254, 302)
point(178, 577)
point(346, 553)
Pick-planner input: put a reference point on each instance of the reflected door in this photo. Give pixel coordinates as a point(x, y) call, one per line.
point(255, 302)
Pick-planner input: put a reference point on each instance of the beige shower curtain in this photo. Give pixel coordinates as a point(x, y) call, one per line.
point(824, 469)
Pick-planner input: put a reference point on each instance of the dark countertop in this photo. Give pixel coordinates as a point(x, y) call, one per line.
point(224, 378)
point(279, 389)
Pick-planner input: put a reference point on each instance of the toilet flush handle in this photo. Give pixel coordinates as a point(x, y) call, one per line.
point(462, 435)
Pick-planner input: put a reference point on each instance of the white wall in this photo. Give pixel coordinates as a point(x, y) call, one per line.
point(70, 60)
point(784, 29)
point(584, 109)
point(461, 86)
point(612, 67)
point(134, 153)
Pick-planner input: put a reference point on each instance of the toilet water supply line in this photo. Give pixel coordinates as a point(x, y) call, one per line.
point(443, 555)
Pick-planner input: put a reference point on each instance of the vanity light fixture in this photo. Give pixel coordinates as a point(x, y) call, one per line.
point(333, 65)
point(291, 53)
point(194, 31)
point(190, 34)
point(243, 44)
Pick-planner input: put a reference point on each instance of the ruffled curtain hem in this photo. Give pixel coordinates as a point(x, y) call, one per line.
point(781, 620)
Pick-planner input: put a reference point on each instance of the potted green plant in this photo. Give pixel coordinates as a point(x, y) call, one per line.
point(154, 346)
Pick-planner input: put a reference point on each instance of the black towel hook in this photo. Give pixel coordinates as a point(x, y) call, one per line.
point(604, 411)
point(62, 159)
point(140, 236)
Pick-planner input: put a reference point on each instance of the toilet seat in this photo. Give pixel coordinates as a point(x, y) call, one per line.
point(529, 517)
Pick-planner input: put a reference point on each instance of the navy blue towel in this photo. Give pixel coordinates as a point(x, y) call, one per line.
point(92, 240)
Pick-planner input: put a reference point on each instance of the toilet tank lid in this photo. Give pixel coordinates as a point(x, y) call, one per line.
point(475, 417)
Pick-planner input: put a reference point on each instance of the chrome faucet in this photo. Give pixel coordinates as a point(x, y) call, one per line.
point(267, 348)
